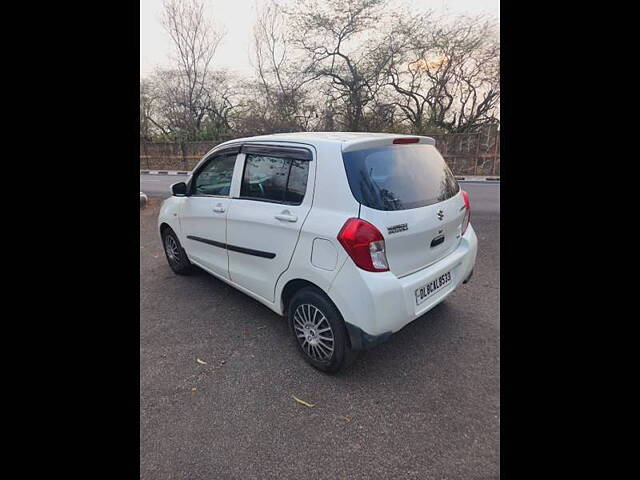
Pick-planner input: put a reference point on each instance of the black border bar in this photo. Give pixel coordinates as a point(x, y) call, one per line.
point(233, 248)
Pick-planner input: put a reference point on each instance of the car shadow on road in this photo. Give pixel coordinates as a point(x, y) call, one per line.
point(428, 336)
point(422, 340)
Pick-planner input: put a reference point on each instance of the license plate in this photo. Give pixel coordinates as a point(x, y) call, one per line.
point(432, 287)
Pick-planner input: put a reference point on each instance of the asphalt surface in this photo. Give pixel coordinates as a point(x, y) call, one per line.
point(159, 185)
point(424, 405)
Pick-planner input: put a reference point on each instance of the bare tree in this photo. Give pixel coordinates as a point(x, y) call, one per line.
point(221, 102)
point(477, 80)
point(195, 41)
point(161, 115)
point(325, 65)
point(330, 34)
point(446, 76)
point(282, 75)
point(406, 70)
point(153, 110)
point(146, 108)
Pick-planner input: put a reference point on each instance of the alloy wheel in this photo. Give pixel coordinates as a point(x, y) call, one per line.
point(172, 249)
point(313, 332)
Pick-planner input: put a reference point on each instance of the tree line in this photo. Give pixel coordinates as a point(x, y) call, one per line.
point(330, 65)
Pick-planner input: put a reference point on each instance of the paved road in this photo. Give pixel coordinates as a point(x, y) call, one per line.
point(424, 405)
point(484, 198)
point(159, 185)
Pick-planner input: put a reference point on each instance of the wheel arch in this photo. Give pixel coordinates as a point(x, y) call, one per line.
point(291, 288)
point(163, 227)
point(295, 285)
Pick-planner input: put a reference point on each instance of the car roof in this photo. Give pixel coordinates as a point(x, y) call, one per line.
point(348, 140)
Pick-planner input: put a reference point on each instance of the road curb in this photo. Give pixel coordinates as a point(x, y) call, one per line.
point(164, 172)
point(144, 200)
point(473, 178)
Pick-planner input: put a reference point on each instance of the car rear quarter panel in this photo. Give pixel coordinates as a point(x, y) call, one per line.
point(333, 204)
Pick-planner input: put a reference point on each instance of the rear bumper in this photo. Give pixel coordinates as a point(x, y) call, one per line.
point(361, 340)
point(376, 305)
point(466, 280)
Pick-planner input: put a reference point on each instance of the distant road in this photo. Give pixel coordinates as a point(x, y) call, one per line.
point(485, 197)
point(159, 185)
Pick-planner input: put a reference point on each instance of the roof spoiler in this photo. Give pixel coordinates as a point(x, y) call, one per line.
point(367, 143)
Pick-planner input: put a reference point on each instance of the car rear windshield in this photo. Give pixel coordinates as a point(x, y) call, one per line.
point(399, 177)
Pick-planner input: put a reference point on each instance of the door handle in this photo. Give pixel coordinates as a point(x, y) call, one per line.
point(287, 217)
point(218, 208)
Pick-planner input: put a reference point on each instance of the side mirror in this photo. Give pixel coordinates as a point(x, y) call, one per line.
point(179, 189)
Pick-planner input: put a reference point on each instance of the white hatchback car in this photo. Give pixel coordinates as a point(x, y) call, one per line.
point(351, 236)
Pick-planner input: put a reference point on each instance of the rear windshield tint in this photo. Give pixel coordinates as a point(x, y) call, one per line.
point(399, 177)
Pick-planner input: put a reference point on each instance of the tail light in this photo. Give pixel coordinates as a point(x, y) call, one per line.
point(467, 211)
point(365, 245)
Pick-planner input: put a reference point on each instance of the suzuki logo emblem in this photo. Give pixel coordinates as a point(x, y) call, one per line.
point(440, 214)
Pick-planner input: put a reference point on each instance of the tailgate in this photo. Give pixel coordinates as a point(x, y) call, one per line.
point(407, 191)
point(419, 237)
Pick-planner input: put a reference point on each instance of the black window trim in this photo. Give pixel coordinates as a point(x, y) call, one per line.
point(295, 153)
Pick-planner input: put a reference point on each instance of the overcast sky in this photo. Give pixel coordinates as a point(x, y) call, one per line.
point(238, 16)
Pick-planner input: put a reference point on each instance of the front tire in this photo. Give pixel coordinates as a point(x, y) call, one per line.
point(176, 256)
point(319, 331)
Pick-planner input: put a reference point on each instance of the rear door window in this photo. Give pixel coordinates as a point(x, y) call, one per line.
point(399, 177)
point(274, 179)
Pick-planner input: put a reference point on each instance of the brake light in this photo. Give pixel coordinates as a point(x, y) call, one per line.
point(365, 245)
point(404, 140)
point(467, 212)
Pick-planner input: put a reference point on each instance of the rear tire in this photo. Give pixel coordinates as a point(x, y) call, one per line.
point(319, 331)
point(176, 256)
